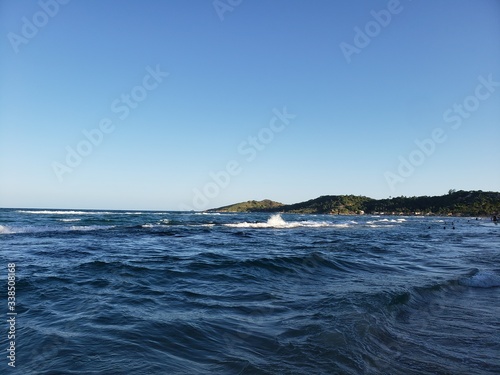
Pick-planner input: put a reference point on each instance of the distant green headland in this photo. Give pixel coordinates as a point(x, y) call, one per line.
point(455, 203)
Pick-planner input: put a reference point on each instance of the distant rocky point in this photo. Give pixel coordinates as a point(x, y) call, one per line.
point(455, 203)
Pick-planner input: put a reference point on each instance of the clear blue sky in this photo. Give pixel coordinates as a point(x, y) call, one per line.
point(228, 69)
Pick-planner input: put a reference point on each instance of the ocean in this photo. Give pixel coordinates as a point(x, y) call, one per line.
point(140, 292)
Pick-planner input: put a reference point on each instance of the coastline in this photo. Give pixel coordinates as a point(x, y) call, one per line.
point(454, 204)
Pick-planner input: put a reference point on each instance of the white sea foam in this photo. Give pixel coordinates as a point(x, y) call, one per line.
point(159, 224)
point(5, 230)
point(50, 212)
point(23, 229)
point(397, 220)
point(75, 212)
point(481, 280)
point(91, 227)
point(69, 220)
point(371, 222)
point(276, 221)
point(47, 229)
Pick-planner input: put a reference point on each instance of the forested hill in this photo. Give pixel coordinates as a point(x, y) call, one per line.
point(250, 206)
point(457, 203)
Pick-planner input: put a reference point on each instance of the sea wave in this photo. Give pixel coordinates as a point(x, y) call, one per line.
point(80, 212)
point(48, 229)
point(23, 229)
point(420, 295)
point(482, 279)
point(91, 227)
point(5, 230)
point(277, 222)
point(158, 224)
point(371, 222)
point(308, 263)
point(59, 212)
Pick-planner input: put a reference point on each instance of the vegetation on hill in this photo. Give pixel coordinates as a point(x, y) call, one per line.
point(457, 203)
point(330, 204)
point(250, 206)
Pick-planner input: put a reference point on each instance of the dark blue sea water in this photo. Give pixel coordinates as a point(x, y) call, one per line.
point(115, 292)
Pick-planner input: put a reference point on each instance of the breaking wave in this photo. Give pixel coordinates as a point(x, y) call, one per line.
point(58, 212)
point(48, 229)
point(277, 222)
point(482, 279)
point(73, 212)
point(5, 230)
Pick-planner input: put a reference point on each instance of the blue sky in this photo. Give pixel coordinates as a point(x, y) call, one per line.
point(225, 69)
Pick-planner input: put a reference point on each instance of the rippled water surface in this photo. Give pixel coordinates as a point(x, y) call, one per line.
point(115, 292)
